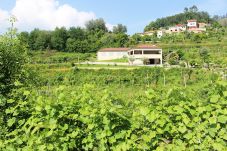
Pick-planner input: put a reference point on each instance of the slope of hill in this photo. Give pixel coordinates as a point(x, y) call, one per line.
point(181, 18)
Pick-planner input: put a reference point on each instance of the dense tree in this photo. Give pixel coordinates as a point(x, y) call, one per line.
point(97, 25)
point(73, 45)
point(77, 33)
point(24, 38)
point(43, 40)
point(121, 39)
point(108, 40)
point(33, 37)
point(193, 9)
point(119, 29)
point(59, 38)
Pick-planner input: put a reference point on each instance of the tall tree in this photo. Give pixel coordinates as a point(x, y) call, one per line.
point(194, 8)
point(73, 45)
point(59, 38)
point(119, 29)
point(76, 33)
point(43, 40)
point(24, 38)
point(33, 37)
point(96, 25)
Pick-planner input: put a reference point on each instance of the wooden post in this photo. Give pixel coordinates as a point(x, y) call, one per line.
point(164, 77)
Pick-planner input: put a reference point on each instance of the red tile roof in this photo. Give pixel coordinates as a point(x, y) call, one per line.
point(141, 46)
point(114, 49)
point(180, 25)
point(192, 20)
point(147, 46)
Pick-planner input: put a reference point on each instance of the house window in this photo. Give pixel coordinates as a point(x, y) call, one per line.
point(152, 52)
point(138, 52)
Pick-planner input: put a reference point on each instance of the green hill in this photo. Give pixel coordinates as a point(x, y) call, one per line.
point(181, 18)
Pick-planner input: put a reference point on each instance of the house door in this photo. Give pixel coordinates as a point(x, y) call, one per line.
point(151, 61)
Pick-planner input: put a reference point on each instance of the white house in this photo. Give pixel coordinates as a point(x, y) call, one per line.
point(192, 23)
point(177, 29)
point(195, 27)
point(160, 33)
point(145, 54)
point(139, 55)
point(112, 53)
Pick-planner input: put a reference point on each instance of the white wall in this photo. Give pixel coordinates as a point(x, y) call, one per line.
point(192, 24)
point(111, 55)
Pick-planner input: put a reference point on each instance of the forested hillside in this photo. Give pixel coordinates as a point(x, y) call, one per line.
point(181, 18)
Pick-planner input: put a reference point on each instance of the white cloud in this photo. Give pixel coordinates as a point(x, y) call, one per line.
point(48, 14)
point(214, 7)
point(109, 26)
point(44, 14)
point(4, 15)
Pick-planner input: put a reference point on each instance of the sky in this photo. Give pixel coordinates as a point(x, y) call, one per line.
point(135, 14)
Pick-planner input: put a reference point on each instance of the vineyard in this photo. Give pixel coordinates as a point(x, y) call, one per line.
point(49, 100)
point(117, 110)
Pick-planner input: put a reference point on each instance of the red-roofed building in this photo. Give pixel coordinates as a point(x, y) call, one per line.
point(192, 24)
point(177, 28)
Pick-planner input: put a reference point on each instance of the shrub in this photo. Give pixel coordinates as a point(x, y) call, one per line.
point(12, 60)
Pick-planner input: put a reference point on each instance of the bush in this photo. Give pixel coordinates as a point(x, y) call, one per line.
point(12, 59)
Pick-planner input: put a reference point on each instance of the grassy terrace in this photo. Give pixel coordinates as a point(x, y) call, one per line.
point(122, 60)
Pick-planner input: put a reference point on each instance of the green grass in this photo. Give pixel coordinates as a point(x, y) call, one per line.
point(50, 57)
point(121, 60)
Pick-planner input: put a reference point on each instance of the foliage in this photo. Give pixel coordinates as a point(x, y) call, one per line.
point(72, 120)
point(76, 39)
point(119, 29)
point(97, 25)
point(12, 60)
point(73, 45)
point(58, 39)
point(204, 54)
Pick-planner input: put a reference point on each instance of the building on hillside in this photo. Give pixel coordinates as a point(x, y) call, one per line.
point(181, 27)
point(177, 29)
point(192, 24)
point(139, 55)
point(112, 53)
point(147, 33)
point(160, 33)
point(195, 27)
